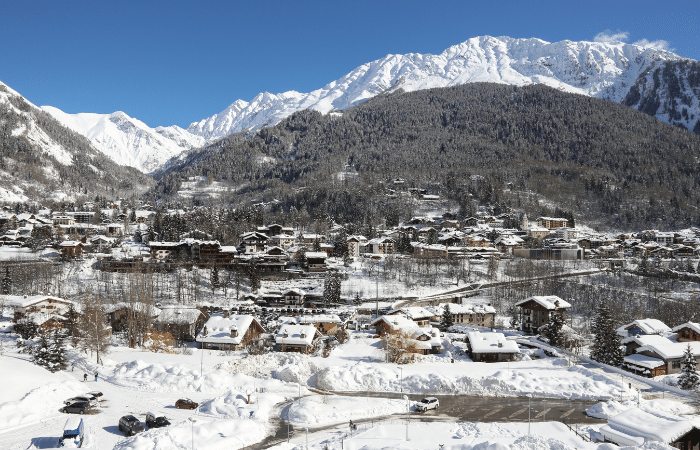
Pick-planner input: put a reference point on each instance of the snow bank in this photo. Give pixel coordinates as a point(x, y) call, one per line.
point(218, 434)
point(317, 411)
point(38, 404)
point(234, 405)
point(605, 410)
point(158, 377)
point(292, 367)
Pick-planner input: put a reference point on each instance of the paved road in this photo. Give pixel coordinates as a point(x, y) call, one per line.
point(460, 408)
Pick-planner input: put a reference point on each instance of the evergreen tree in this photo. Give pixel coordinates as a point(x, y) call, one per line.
point(607, 346)
point(6, 282)
point(340, 245)
point(643, 266)
point(56, 353)
point(40, 352)
point(689, 266)
point(26, 328)
point(301, 257)
point(446, 321)
point(552, 331)
point(214, 278)
point(331, 289)
point(688, 379)
point(254, 275)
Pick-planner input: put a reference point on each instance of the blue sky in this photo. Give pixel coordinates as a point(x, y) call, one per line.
point(172, 63)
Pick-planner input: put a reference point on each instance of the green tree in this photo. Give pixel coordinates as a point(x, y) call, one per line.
point(688, 379)
point(254, 275)
point(214, 278)
point(607, 347)
point(552, 331)
point(446, 321)
point(6, 282)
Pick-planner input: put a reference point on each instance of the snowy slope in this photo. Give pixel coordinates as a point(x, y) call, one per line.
point(129, 141)
point(603, 70)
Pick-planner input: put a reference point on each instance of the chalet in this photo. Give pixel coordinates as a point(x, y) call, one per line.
point(119, 314)
point(309, 239)
point(490, 347)
point(590, 243)
point(100, 242)
point(536, 311)
point(161, 251)
point(428, 341)
point(671, 353)
point(644, 365)
point(392, 324)
point(297, 338)
point(417, 314)
point(43, 304)
point(229, 333)
point(254, 242)
point(284, 241)
point(326, 324)
point(328, 249)
point(643, 327)
point(688, 332)
point(293, 297)
point(664, 238)
point(183, 322)
point(636, 427)
point(316, 261)
point(356, 245)
point(632, 343)
point(71, 249)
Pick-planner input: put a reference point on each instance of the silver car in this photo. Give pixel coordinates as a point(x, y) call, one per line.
point(427, 403)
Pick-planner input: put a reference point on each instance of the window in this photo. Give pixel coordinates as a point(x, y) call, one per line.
point(676, 364)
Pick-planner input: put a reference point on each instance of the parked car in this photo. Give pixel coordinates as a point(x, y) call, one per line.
point(76, 408)
point(83, 398)
point(73, 433)
point(154, 421)
point(186, 403)
point(427, 403)
point(130, 425)
point(96, 394)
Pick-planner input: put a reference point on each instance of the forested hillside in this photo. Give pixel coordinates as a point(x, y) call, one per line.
point(536, 147)
point(42, 160)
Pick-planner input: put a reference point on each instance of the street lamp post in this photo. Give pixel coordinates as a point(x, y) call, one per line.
point(401, 369)
point(307, 438)
point(408, 409)
point(192, 428)
point(529, 398)
point(544, 412)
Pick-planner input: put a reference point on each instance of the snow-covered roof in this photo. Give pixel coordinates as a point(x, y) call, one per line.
point(138, 306)
point(491, 343)
point(671, 350)
point(644, 361)
point(316, 255)
point(23, 302)
point(296, 335)
point(648, 326)
point(692, 325)
point(650, 425)
point(547, 301)
point(218, 328)
point(414, 312)
point(319, 318)
point(433, 335)
point(651, 339)
point(397, 322)
point(464, 309)
point(70, 243)
point(178, 314)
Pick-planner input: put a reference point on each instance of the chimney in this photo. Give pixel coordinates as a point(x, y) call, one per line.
point(500, 344)
point(234, 331)
point(284, 333)
point(226, 313)
point(303, 335)
point(205, 330)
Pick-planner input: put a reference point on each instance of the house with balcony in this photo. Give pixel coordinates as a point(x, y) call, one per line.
point(537, 310)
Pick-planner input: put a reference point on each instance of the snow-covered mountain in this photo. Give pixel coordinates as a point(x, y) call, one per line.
point(603, 70)
point(637, 76)
point(129, 141)
point(42, 160)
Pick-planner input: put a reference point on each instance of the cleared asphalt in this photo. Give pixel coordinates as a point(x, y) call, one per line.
point(463, 408)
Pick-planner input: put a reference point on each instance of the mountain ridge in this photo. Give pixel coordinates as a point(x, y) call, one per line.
point(606, 70)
